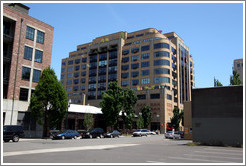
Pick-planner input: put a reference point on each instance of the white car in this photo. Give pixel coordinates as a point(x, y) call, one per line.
point(172, 135)
point(140, 133)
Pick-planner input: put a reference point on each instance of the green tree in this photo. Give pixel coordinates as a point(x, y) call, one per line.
point(217, 82)
point(146, 114)
point(235, 78)
point(177, 116)
point(111, 103)
point(88, 121)
point(128, 102)
point(49, 103)
point(140, 122)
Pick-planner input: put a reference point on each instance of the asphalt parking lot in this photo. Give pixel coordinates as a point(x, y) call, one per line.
point(151, 149)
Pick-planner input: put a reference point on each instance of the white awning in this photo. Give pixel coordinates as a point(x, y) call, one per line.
point(76, 108)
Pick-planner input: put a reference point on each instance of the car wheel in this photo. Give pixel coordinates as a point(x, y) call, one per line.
point(63, 137)
point(15, 138)
point(101, 136)
point(6, 140)
point(111, 136)
point(90, 136)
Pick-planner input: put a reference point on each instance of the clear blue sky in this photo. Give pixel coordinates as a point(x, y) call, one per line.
point(212, 31)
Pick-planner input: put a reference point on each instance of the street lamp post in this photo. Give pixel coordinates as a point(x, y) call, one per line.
point(69, 102)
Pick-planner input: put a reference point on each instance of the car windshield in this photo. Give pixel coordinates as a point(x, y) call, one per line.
point(137, 130)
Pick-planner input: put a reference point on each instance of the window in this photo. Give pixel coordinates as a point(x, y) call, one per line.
point(135, 58)
point(145, 56)
point(83, 66)
point(125, 52)
point(113, 55)
point(102, 78)
point(36, 75)
point(145, 48)
point(28, 53)
point(112, 69)
point(92, 79)
point(84, 59)
point(93, 58)
point(75, 88)
point(92, 87)
point(145, 64)
point(40, 37)
point(125, 67)
point(30, 33)
point(70, 62)
point(127, 44)
point(169, 97)
point(26, 73)
point(77, 61)
point(83, 73)
point(102, 86)
point(161, 45)
point(69, 75)
point(161, 62)
point(162, 80)
point(141, 97)
point(124, 75)
point(135, 66)
point(137, 42)
point(145, 81)
point(82, 87)
point(161, 54)
point(112, 62)
point(135, 82)
point(62, 76)
point(112, 77)
point(70, 69)
point(135, 74)
point(76, 74)
point(144, 72)
point(125, 59)
point(155, 96)
point(38, 56)
point(82, 80)
point(23, 94)
point(125, 83)
point(69, 82)
point(69, 89)
point(76, 68)
point(103, 56)
point(130, 37)
point(161, 71)
point(63, 63)
point(139, 35)
point(103, 63)
point(102, 71)
point(135, 50)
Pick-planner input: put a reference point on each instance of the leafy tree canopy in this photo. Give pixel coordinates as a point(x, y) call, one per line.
point(235, 78)
point(177, 116)
point(146, 114)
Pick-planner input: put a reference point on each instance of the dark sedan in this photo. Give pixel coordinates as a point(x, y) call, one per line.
point(66, 134)
point(93, 133)
point(112, 134)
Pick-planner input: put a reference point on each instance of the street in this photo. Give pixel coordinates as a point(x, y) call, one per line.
point(151, 149)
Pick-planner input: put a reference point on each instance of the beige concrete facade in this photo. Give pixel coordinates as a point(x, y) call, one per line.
point(188, 120)
point(158, 67)
point(18, 85)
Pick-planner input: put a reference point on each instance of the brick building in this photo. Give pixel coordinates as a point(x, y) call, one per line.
point(158, 67)
point(27, 48)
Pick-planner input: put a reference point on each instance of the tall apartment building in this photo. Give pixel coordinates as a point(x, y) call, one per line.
point(27, 48)
point(238, 66)
point(157, 66)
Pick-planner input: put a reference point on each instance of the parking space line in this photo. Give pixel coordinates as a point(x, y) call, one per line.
point(182, 158)
point(212, 156)
point(66, 149)
point(155, 162)
point(220, 153)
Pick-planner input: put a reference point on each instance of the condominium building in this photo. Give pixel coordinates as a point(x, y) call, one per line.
point(27, 48)
point(158, 67)
point(238, 66)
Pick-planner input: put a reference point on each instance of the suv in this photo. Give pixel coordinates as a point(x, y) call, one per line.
point(93, 133)
point(12, 132)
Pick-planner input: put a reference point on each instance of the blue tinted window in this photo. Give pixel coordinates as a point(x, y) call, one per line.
point(69, 82)
point(135, 74)
point(155, 96)
point(26, 73)
point(69, 75)
point(161, 62)
point(161, 45)
point(144, 72)
point(125, 67)
point(135, 50)
point(124, 75)
point(28, 53)
point(135, 82)
point(161, 54)
point(145, 64)
point(77, 61)
point(76, 68)
point(145, 48)
point(135, 58)
point(125, 83)
point(162, 80)
point(70, 62)
point(36, 75)
point(145, 56)
point(161, 71)
point(30, 33)
point(125, 52)
point(40, 37)
point(145, 81)
point(135, 66)
point(38, 56)
point(125, 59)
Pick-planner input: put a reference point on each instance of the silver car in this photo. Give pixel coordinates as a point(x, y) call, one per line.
point(140, 133)
point(172, 135)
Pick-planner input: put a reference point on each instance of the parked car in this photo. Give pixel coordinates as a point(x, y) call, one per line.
point(112, 134)
point(181, 134)
point(172, 135)
point(93, 133)
point(65, 134)
point(140, 133)
point(152, 132)
point(12, 132)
